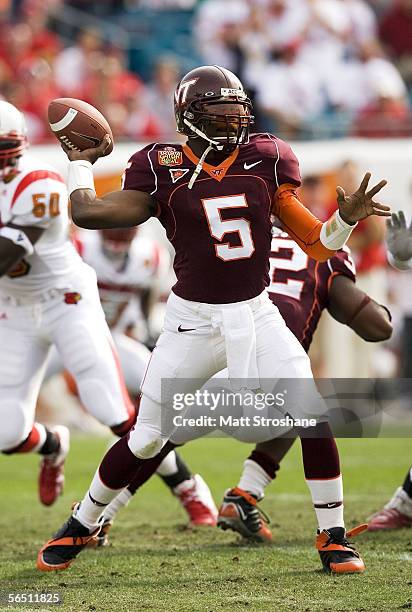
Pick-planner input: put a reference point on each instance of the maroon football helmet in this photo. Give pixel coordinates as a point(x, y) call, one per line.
point(210, 103)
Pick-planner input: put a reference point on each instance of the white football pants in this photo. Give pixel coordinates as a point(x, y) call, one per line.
point(133, 355)
point(82, 339)
point(184, 360)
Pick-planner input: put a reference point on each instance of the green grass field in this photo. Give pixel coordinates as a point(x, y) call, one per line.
point(154, 563)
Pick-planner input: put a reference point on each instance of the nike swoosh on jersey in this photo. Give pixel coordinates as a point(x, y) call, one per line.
point(249, 166)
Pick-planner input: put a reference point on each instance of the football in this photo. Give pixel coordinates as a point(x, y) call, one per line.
point(77, 124)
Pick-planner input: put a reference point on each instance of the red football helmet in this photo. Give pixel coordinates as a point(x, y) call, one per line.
point(116, 242)
point(13, 134)
point(210, 103)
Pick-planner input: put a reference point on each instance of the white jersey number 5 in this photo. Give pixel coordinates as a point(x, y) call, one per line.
point(219, 227)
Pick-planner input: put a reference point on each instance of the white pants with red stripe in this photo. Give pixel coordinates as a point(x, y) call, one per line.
point(82, 338)
point(134, 357)
point(193, 347)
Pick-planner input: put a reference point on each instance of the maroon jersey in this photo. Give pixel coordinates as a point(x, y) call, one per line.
point(221, 228)
point(299, 285)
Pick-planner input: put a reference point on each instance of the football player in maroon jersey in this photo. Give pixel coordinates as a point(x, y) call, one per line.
point(302, 289)
point(217, 215)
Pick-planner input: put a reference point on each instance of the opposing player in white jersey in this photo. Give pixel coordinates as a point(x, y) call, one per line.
point(48, 296)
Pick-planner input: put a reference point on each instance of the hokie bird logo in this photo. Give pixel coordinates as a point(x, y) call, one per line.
point(177, 173)
point(72, 298)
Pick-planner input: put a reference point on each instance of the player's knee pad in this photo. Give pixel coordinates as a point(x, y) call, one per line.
point(14, 425)
point(145, 442)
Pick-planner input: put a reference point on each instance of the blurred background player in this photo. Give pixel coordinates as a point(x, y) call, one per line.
point(397, 513)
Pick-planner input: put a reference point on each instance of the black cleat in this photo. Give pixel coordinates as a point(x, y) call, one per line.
point(239, 512)
point(338, 556)
point(59, 552)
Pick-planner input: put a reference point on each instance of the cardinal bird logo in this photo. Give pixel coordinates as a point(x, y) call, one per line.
point(177, 174)
point(72, 298)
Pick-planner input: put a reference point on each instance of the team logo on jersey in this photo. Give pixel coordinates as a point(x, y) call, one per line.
point(217, 172)
point(170, 157)
point(177, 173)
point(72, 298)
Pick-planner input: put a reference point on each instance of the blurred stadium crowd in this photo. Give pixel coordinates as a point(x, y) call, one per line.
point(315, 68)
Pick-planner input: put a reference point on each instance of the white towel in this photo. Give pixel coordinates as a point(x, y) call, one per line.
point(238, 328)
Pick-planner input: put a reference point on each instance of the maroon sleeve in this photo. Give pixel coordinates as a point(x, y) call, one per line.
point(139, 174)
point(286, 164)
point(342, 263)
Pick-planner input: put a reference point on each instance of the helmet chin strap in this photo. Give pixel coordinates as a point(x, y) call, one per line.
point(213, 144)
point(199, 166)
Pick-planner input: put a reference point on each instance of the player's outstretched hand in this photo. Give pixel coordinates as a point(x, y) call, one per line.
point(360, 204)
point(90, 155)
point(399, 237)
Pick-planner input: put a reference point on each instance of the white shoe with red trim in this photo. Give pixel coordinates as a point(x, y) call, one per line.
point(396, 514)
point(197, 500)
point(51, 477)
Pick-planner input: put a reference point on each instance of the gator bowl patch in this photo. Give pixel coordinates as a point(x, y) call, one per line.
point(170, 157)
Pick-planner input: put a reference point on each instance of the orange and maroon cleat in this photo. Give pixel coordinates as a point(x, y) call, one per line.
point(338, 556)
point(239, 512)
point(61, 550)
